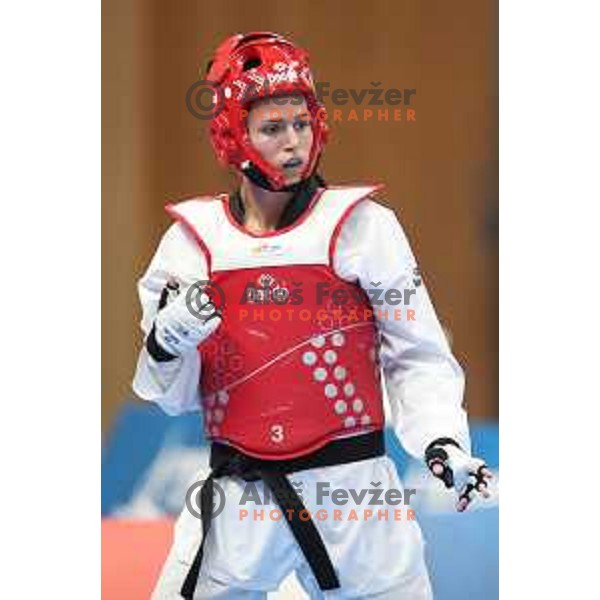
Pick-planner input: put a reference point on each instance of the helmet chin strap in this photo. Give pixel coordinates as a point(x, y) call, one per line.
point(256, 176)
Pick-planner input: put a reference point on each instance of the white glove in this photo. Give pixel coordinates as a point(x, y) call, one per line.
point(467, 474)
point(186, 321)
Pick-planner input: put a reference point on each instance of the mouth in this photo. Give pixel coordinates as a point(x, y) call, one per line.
point(292, 163)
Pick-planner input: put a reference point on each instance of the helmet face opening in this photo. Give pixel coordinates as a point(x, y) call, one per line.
point(250, 67)
point(252, 63)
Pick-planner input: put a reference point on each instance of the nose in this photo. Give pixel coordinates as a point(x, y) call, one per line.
point(291, 138)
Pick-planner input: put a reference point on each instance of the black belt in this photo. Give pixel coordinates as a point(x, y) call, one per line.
point(227, 461)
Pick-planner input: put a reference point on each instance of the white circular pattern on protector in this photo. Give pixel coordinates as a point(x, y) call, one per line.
point(358, 405)
point(340, 407)
point(365, 420)
point(309, 358)
point(331, 390)
point(320, 374)
point(339, 373)
point(217, 415)
point(349, 389)
point(214, 430)
point(330, 356)
point(223, 397)
point(349, 422)
point(318, 341)
point(338, 339)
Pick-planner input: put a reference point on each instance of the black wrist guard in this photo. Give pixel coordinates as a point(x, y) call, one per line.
point(157, 352)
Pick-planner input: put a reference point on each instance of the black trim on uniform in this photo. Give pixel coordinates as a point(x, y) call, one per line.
point(297, 204)
point(227, 461)
point(155, 350)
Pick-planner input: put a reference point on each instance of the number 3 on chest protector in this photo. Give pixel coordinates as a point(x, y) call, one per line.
point(277, 433)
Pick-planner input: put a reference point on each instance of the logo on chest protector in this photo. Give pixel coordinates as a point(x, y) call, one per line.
point(266, 289)
point(267, 249)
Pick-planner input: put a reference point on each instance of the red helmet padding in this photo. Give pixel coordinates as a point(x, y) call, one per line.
point(256, 65)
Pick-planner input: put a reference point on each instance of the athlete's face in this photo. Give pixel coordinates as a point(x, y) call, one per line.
point(279, 128)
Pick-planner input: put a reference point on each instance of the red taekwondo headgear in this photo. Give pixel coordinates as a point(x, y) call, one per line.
point(247, 67)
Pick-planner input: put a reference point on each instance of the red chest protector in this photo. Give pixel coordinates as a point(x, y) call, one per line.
point(294, 363)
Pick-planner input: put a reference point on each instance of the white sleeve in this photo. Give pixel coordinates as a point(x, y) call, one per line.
point(174, 384)
point(424, 382)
